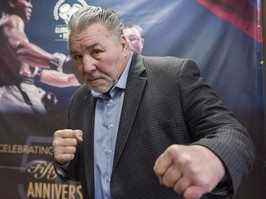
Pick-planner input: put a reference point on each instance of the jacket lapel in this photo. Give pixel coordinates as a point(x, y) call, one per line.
point(88, 139)
point(134, 90)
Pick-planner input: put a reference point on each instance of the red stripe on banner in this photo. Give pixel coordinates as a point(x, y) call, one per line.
point(243, 15)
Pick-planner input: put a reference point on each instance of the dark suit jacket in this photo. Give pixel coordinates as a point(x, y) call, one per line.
point(166, 102)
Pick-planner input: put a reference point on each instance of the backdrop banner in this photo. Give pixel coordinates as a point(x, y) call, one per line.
point(224, 37)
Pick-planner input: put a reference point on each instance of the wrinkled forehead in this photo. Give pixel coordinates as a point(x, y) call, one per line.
point(95, 33)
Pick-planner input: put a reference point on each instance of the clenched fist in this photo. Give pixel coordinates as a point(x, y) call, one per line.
point(190, 170)
point(64, 143)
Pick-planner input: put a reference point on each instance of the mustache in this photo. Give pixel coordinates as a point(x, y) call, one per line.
point(90, 76)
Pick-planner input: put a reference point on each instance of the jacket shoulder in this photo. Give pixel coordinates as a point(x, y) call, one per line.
point(81, 92)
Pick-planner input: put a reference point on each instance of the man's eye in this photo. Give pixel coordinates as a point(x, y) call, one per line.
point(96, 52)
point(77, 57)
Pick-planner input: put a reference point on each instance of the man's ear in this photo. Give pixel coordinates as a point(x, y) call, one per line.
point(124, 45)
point(124, 42)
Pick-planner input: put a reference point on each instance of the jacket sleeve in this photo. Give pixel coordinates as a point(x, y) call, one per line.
point(212, 125)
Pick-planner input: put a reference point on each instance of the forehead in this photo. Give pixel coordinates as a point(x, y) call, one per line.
point(96, 29)
point(95, 34)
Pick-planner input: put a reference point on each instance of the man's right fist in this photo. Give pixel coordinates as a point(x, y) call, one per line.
point(64, 144)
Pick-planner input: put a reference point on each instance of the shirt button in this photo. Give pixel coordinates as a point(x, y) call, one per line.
point(111, 101)
point(108, 151)
point(111, 125)
point(108, 179)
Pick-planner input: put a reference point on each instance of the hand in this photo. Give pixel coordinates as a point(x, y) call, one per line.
point(190, 170)
point(64, 143)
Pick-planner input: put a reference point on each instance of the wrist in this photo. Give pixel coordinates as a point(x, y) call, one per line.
point(57, 61)
point(223, 187)
point(37, 74)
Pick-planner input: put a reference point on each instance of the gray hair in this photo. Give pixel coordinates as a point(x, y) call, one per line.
point(89, 15)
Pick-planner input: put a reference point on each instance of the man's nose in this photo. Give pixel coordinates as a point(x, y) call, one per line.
point(88, 64)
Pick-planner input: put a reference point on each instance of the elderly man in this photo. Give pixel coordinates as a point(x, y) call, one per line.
point(145, 127)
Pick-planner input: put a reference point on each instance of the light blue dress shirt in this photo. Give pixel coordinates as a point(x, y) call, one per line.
point(107, 117)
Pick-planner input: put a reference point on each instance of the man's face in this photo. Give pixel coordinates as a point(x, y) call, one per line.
point(23, 9)
point(134, 39)
point(98, 57)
